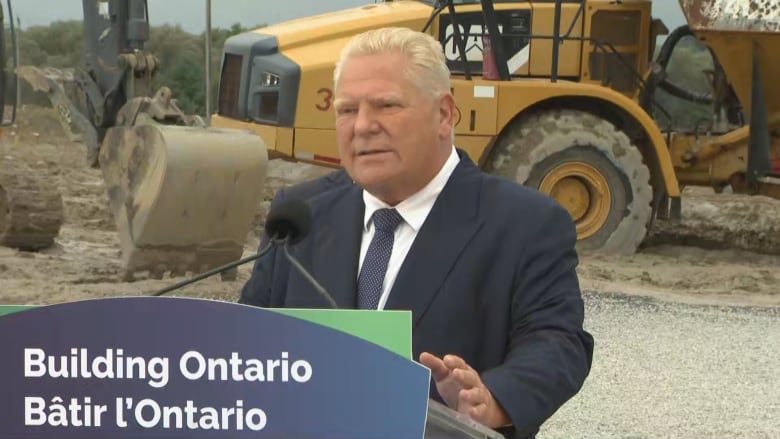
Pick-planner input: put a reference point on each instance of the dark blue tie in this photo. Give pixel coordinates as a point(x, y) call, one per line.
point(372, 274)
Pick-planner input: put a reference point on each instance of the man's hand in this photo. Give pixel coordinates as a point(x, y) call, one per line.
point(463, 390)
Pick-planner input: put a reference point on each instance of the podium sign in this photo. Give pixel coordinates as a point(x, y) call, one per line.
point(174, 367)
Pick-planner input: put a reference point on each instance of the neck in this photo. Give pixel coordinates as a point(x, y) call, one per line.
point(395, 195)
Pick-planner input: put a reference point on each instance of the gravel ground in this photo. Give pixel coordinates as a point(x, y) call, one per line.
point(672, 370)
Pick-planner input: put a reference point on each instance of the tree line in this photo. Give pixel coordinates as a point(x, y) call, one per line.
point(181, 54)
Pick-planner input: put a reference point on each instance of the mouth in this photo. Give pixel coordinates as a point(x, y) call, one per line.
point(371, 152)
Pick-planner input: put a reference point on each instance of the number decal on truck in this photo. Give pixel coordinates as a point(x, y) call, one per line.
point(327, 96)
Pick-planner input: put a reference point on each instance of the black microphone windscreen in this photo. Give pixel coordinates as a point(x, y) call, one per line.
point(290, 220)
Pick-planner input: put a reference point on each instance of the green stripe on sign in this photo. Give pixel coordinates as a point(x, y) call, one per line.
point(391, 329)
point(8, 309)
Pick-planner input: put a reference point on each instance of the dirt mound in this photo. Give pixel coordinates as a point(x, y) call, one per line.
point(717, 221)
point(35, 124)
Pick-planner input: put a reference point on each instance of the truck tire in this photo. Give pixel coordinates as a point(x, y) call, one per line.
point(590, 167)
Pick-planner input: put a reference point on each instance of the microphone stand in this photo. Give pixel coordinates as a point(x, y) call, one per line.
point(219, 269)
point(320, 289)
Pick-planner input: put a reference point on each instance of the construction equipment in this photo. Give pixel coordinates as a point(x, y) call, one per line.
point(183, 195)
point(558, 95)
point(743, 38)
point(31, 208)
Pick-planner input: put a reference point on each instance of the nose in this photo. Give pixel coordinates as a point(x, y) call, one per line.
point(365, 120)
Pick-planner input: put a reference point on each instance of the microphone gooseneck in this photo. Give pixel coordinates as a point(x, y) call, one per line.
point(216, 270)
point(320, 289)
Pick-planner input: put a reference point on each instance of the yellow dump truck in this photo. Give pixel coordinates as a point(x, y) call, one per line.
point(558, 95)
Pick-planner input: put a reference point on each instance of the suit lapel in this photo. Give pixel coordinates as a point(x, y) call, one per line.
point(337, 244)
point(451, 224)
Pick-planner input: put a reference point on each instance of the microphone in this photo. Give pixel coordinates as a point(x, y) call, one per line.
point(290, 221)
point(287, 223)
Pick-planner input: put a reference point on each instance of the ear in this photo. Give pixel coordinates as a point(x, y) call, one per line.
point(447, 114)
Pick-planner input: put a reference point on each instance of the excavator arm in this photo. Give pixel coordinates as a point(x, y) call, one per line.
point(183, 195)
point(117, 70)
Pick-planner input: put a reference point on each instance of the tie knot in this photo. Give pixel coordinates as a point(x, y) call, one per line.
point(387, 220)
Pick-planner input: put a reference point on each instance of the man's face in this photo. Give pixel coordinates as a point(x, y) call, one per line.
point(392, 138)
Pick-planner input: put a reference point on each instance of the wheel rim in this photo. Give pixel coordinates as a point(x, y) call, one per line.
point(583, 191)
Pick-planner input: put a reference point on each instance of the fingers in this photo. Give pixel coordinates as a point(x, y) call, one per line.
point(479, 413)
point(439, 369)
point(474, 396)
point(455, 362)
point(465, 374)
point(479, 404)
point(451, 365)
point(462, 388)
point(468, 378)
point(473, 402)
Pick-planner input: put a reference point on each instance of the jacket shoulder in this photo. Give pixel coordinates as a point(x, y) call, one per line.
point(310, 189)
point(507, 194)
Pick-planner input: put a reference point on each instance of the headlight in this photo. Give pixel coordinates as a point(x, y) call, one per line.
point(269, 79)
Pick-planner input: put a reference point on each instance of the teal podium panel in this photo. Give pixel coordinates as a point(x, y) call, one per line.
point(157, 367)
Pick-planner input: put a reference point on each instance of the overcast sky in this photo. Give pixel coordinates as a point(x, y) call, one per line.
point(190, 14)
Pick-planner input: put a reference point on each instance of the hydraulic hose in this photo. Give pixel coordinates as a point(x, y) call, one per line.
point(658, 77)
point(675, 90)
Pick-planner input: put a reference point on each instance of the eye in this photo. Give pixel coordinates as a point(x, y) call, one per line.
point(345, 110)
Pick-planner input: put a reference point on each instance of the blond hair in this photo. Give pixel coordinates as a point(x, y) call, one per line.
point(427, 66)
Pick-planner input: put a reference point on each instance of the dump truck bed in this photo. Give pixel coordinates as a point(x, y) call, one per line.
point(736, 31)
point(733, 15)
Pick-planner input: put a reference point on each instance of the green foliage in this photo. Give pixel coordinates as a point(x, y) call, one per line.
point(181, 54)
point(62, 43)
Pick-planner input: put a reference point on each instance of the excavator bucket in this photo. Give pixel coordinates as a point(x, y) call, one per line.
point(183, 197)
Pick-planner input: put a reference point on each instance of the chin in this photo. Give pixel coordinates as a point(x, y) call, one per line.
point(372, 180)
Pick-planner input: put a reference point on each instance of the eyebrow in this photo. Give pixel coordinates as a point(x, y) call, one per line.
point(341, 101)
point(376, 99)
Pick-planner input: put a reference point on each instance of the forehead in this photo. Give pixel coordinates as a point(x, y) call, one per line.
point(375, 72)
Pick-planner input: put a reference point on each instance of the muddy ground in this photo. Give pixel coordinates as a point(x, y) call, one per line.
point(727, 249)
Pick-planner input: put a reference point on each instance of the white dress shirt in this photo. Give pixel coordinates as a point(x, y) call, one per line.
point(414, 210)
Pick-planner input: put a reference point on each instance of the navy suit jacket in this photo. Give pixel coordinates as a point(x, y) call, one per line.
point(490, 277)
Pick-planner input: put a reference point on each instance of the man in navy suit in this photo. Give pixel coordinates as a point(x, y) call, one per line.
point(486, 266)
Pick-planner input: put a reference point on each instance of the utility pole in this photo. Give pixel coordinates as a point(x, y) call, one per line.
point(18, 62)
point(208, 63)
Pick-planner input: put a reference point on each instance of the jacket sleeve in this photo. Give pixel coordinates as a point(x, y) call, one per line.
point(549, 353)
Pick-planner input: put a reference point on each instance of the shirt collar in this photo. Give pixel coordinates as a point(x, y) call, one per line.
point(414, 209)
